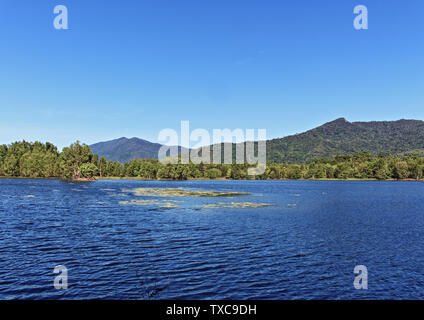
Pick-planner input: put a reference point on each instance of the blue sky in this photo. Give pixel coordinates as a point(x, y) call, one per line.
point(132, 68)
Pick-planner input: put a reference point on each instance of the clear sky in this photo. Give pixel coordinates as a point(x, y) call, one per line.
point(132, 68)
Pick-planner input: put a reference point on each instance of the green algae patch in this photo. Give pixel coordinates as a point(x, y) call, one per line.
point(180, 192)
point(234, 205)
point(157, 203)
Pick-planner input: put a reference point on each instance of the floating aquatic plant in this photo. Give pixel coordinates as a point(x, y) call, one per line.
point(161, 203)
point(180, 192)
point(234, 205)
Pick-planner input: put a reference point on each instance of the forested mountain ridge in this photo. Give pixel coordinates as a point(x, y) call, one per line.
point(124, 149)
point(400, 140)
point(77, 162)
point(341, 137)
point(338, 137)
point(403, 138)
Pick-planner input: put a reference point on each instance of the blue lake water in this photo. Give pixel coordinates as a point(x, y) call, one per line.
point(303, 247)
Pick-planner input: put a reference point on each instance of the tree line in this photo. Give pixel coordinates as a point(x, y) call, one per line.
point(43, 160)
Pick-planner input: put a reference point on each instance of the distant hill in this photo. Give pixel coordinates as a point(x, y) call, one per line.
point(338, 137)
point(341, 137)
point(124, 149)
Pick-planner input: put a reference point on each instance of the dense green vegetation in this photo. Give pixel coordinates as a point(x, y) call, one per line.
point(342, 137)
point(357, 166)
point(38, 160)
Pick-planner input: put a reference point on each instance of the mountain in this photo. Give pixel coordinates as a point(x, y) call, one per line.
point(341, 137)
point(124, 149)
point(338, 137)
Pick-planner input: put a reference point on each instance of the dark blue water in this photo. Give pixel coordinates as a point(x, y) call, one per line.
point(304, 247)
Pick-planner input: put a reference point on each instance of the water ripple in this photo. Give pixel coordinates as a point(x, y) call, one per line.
point(114, 251)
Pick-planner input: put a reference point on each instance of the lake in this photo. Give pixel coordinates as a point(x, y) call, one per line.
point(305, 246)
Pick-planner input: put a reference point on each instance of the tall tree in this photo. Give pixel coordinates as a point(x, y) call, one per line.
point(73, 157)
point(102, 166)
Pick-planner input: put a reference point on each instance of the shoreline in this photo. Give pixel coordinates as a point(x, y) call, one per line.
point(201, 179)
point(225, 179)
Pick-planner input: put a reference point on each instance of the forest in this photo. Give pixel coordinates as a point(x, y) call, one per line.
point(43, 160)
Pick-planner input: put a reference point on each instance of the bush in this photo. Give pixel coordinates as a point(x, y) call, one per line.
point(213, 173)
point(88, 170)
